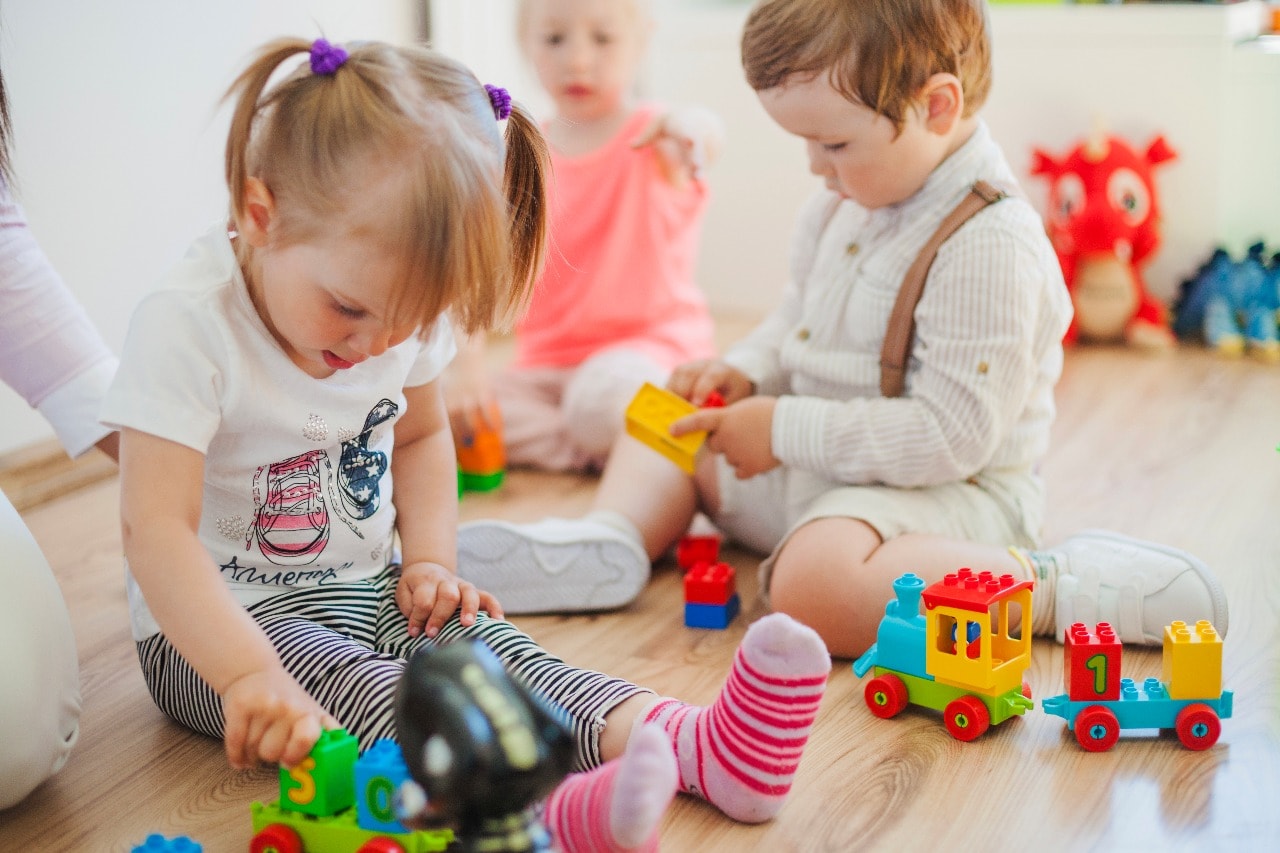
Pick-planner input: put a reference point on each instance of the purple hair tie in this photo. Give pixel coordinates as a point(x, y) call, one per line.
point(326, 58)
point(500, 100)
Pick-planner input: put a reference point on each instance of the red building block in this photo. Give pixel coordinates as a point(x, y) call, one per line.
point(1091, 663)
point(697, 550)
point(709, 583)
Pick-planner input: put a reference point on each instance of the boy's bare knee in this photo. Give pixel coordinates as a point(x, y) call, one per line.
point(820, 578)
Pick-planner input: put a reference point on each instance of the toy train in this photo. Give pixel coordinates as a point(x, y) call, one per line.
point(336, 801)
point(1099, 703)
point(961, 657)
point(475, 749)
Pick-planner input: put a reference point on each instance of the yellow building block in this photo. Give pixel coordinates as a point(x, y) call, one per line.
point(649, 418)
point(1192, 660)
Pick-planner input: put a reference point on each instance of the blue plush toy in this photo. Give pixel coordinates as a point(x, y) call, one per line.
point(1233, 304)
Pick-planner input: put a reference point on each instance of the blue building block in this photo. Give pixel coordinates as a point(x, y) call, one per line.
point(379, 773)
point(712, 615)
point(157, 843)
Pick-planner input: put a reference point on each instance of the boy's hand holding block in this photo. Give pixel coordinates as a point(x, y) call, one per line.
point(649, 418)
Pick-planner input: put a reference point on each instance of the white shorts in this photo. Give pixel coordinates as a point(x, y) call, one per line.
point(994, 508)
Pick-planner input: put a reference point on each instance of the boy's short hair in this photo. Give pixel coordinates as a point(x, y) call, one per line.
point(878, 52)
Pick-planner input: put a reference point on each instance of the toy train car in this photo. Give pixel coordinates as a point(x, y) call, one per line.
point(334, 802)
point(1099, 703)
point(965, 656)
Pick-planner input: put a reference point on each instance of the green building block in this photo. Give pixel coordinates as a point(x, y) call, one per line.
point(324, 782)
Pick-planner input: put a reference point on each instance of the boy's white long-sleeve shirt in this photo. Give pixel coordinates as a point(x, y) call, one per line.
point(988, 337)
point(50, 352)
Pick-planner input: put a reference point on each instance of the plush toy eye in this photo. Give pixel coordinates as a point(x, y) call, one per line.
point(1068, 194)
point(1129, 196)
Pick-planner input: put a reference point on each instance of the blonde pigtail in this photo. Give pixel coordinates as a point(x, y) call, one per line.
point(247, 90)
point(527, 167)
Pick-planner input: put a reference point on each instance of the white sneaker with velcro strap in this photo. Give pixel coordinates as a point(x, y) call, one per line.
point(1139, 587)
point(557, 565)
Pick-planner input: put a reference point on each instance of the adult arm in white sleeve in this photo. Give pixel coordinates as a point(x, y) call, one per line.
point(50, 352)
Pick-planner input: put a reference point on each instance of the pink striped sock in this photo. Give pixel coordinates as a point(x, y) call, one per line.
point(741, 752)
point(618, 805)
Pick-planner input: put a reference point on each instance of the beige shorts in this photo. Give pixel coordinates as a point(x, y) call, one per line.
point(994, 508)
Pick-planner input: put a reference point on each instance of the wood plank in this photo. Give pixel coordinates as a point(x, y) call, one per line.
point(33, 475)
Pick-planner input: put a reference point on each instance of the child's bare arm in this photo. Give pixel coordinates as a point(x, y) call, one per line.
point(468, 393)
point(269, 717)
point(688, 140)
point(426, 501)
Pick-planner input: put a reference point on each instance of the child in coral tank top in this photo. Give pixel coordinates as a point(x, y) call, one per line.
point(617, 304)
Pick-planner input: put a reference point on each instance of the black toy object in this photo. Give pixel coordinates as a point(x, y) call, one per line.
point(482, 748)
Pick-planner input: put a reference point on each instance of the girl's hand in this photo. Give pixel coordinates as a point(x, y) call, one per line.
point(271, 719)
point(743, 432)
point(428, 594)
point(687, 140)
point(695, 380)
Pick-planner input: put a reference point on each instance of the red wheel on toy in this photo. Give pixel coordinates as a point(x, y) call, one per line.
point(966, 718)
point(1198, 726)
point(276, 838)
point(1097, 728)
point(381, 844)
point(1026, 689)
point(886, 695)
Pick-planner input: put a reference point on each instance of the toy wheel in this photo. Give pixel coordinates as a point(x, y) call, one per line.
point(967, 718)
point(1026, 689)
point(886, 695)
point(1198, 726)
point(381, 844)
point(276, 838)
point(1097, 728)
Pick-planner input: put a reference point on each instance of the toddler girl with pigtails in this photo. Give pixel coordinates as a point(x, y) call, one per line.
point(282, 379)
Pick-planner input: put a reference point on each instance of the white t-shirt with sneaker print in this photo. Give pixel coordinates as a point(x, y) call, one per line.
point(297, 481)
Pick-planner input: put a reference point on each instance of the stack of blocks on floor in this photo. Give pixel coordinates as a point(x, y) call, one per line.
point(482, 461)
point(710, 590)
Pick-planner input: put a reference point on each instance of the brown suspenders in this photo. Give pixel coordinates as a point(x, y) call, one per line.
point(902, 322)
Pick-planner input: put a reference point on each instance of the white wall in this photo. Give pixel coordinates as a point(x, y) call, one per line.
point(118, 142)
point(1144, 70)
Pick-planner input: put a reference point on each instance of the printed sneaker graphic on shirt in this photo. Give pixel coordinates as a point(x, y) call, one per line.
point(291, 522)
point(360, 469)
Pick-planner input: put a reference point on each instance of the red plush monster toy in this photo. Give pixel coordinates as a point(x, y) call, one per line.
point(1104, 223)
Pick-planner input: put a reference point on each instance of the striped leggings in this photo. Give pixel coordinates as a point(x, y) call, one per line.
point(347, 645)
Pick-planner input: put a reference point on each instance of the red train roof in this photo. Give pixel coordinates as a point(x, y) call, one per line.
point(972, 590)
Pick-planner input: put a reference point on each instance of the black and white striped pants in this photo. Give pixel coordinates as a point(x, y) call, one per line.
point(347, 645)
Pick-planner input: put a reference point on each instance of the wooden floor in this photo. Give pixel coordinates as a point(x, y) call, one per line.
point(1180, 449)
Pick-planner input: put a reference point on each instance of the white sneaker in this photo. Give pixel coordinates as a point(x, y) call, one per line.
point(552, 566)
point(1139, 587)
